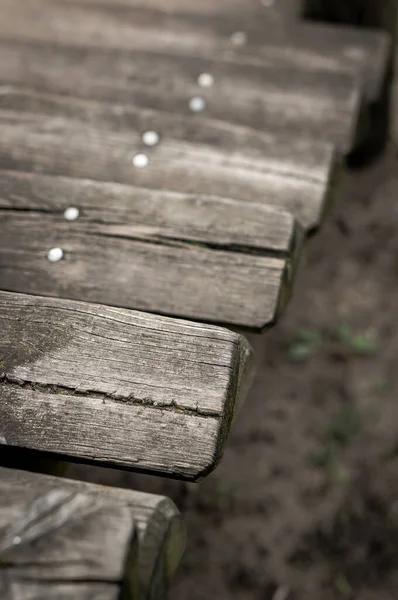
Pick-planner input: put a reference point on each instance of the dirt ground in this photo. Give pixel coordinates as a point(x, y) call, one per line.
point(304, 505)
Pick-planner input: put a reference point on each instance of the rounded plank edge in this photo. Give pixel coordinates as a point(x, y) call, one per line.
point(159, 525)
point(31, 409)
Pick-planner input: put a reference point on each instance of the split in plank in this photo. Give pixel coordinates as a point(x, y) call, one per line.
point(78, 523)
point(117, 387)
point(326, 106)
point(193, 256)
point(79, 138)
point(203, 29)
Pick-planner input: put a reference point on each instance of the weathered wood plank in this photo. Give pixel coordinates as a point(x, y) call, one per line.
point(202, 29)
point(61, 543)
point(252, 8)
point(281, 9)
point(326, 106)
point(117, 387)
point(58, 591)
point(193, 256)
point(266, 10)
point(151, 215)
point(204, 156)
point(161, 533)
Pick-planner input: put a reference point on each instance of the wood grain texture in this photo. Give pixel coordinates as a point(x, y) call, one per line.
point(61, 543)
point(326, 106)
point(203, 29)
point(193, 256)
point(118, 387)
point(161, 533)
point(97, 140)
point(252, 8)
point(380, 14)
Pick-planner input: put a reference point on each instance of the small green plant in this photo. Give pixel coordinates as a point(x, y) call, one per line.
point(346, 425)
point(342, 586)
point(325, 459)
point(329, 460)
point(344, 428)
point(357, 343)
point(383, 386)
point(305, 344)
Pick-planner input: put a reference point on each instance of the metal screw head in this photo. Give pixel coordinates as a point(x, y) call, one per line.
point(55, 254)
point(140, 161)
point(71, 213)
point(206, 80)
point(197, 104)
point(151, 138)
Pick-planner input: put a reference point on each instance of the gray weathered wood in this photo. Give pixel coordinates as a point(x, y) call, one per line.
point(117, 387)
point(193, 256)
point(203, 29)
point(281, 9)
point(266, 10)
point(97, 140)
point(323, 105)
point(61, 543)
point(161, 534)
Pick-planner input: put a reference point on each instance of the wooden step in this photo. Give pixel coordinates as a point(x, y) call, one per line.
point(281, 9)
point(88, 541)
point(193, 256)
point(207, 156)
point(80, 138)
point(269, 9)
point(115, 387)
point(204, 29)
point(326, 106)
point(261, 9)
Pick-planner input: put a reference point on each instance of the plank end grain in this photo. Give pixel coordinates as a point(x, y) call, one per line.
point(115, 387)
point(159, 532)
point(62, 543)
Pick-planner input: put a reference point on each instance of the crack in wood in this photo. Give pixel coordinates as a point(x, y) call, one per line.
point(159, 239)
point(10, 380)
point(162, 240)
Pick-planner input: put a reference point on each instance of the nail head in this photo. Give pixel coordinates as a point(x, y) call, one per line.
point(197, 104)
point(151, 138)
point(206, 80)
point(140, 161)
point(55, 254)
point(71, 213)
